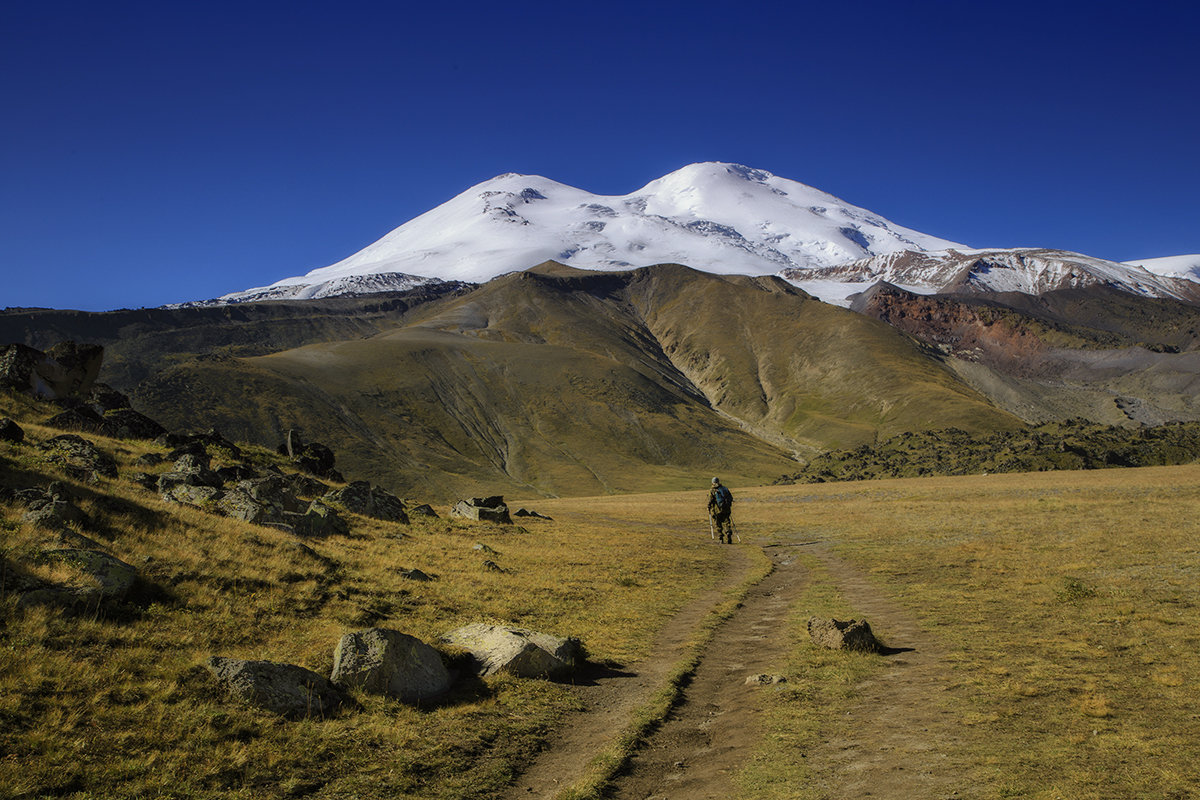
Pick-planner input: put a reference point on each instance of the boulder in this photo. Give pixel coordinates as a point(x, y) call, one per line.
point(318, 522)
point(10, 431)
point(191, 442)
point(361, 497)
point(517, 651)
point(485, 509)
point(423, 510)
point(149, 460)
point(102, 398)
point(303, 485)
point(114, 578)
point(233, 473)
point(272, 490)
point(843, 635)
point(66, 370)
point(80, 418)
point(414, 575)
point(316, 459)
point(125, 423)
point(190, 494)
point(75, 367)
point(240, 504)
point(54, 514)
point(521, 512)
point(79, 457)
point(283, 689)
point(388, 662)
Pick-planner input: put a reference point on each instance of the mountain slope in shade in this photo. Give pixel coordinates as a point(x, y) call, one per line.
point(1032, 271)
point(714, 217)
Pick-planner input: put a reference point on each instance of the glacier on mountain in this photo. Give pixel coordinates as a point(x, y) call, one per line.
point(715, 217)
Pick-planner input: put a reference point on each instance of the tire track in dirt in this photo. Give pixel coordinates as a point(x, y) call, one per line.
point(897, 740)
point(711, 732)
point(611, 697)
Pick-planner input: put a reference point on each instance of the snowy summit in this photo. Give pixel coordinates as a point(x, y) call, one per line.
point(716, 217)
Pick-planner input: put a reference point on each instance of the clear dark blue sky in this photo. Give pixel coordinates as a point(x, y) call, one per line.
point(153, 152)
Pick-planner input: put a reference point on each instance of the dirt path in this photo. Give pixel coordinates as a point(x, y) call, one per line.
point(711, 733)
point(894, 742)
point(610, 698)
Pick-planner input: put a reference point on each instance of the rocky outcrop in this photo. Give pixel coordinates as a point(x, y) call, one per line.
point(106, 579)
point(388, 662)
point(843, 635)
point(318, 521)
point(11, 431)
point(79, 457)
point(66, 370)
point(361, 497)
point(125, 423)
point(485, 509)
point(311, 457)
point(283, 689)
point(517, 651)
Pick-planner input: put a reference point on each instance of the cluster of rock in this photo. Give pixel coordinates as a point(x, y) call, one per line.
point(311, 457)
point(390, 663)
point(104, 577)
point(836, 634)
point(66, 374)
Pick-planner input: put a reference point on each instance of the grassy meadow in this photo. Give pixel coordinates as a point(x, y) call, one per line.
point(1066, 603)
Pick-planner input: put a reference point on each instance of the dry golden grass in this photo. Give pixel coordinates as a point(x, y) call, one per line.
point(1067, 604)
point(113, 704)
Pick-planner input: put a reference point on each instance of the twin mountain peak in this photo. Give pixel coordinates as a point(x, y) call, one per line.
point(714, 217)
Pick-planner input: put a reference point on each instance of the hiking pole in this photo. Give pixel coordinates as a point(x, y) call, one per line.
point(711, 533)
point(733, 528)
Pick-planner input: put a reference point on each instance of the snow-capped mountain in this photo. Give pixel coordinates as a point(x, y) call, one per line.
point(715, 217)
point(332, 287)
point(1027, 270)
point(1186, 267)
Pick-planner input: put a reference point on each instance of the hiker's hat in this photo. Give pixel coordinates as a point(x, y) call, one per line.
point(716, 481)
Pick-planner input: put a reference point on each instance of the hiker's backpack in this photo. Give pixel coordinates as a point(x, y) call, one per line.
point(724, 499)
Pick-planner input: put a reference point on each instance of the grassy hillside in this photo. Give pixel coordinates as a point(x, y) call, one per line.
point(1063, 601)
point(561, 381)
point(112, 701)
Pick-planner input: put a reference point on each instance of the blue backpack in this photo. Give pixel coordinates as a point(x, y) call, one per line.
point(724, 499)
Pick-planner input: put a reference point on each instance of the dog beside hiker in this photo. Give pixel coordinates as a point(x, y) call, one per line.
point(720, 510)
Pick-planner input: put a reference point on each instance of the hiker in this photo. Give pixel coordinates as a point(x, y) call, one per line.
point(720, 506)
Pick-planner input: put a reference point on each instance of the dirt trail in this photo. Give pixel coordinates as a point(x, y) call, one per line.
point(894, 742)
point(611, 697)
point(710, 734)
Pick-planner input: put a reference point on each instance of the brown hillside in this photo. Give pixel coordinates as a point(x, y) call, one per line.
point(564, 382)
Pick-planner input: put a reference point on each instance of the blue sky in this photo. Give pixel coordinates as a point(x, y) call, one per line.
point(160, 152)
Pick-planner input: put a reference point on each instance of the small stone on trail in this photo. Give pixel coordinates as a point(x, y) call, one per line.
point(763, 679)
point(843, 635)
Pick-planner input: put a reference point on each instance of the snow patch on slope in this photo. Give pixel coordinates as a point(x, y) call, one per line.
point(1185, 267)
point(1026, 270)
